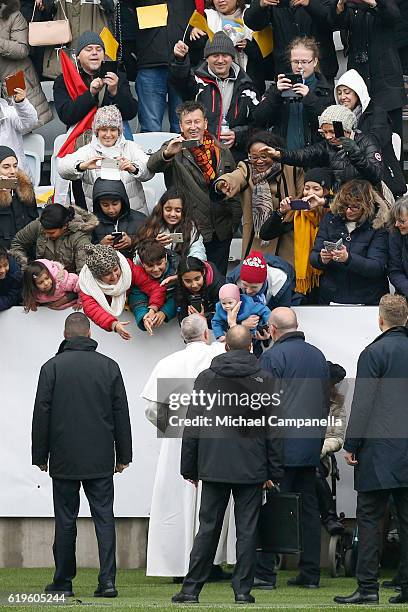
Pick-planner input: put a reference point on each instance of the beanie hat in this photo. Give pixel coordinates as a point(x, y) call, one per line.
point(339, 113)
point(322, 176)
point(229, 291)
point(254, 268)
point(6, 152)
point(100, 259)
point(107, 116)
point(221, 43)
point(88, 38)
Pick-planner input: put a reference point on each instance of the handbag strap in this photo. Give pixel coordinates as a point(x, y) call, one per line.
point(60, 3)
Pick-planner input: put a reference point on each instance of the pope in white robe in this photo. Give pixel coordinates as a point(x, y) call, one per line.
point(175, 501)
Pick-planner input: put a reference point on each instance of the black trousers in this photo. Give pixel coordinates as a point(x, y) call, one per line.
point(99, 492)
point(299, 480)
point(370, 512)
point(214, 500)
point(218, 253)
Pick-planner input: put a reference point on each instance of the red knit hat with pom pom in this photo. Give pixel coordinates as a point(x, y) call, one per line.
point(254, 268)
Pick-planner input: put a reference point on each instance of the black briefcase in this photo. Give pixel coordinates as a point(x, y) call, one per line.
point(279, 527)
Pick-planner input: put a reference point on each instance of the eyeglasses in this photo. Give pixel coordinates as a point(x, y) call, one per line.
point(301, 62)
point(401, 221)
point(254, 160)
point(353, 208)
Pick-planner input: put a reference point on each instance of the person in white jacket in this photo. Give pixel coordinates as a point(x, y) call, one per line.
point(174, 517)
point(17, 119)
point(108, 142)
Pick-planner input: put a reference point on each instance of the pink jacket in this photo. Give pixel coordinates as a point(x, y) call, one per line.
point(64, 282)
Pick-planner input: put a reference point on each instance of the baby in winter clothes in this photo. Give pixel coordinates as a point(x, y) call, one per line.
point(229, 296)
point(47, 283)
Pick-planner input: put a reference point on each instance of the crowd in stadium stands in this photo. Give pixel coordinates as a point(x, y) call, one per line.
point(271, 144)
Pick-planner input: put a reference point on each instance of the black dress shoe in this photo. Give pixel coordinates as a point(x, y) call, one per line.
point(57, 589)
point(399, 599)
point(106, 590)
point(184, 598)
point(263, 584)
point(391, 584)
point(244, 599)
point(304, 583)
point(358, 598)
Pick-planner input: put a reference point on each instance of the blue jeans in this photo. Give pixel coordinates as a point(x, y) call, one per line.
point(152, 90)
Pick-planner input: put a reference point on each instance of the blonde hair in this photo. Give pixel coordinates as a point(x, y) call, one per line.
point(394, 309)
point(309, 43)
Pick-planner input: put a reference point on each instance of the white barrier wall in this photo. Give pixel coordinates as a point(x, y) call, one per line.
point(28, 341)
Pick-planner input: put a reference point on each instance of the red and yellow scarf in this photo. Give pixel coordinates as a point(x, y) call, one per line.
point(206, 157)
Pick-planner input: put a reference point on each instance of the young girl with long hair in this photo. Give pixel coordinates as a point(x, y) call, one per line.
point(47, 283)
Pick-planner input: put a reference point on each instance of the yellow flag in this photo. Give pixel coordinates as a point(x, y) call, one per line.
point(199, 21)
point(264, 40)
point(110, 42)
point(152, 16)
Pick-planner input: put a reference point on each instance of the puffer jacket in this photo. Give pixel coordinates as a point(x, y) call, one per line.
point(248, 307)
point(375, 123)
point(19, 118)
point(273, 110)
point(32, 243)
point(17, 209)
point(128, 221)
point(128, 149)
point(398, 261)
point(362, 279)
point(203, 86)
point(65, 282)
point(14, 57)
point(367, 164)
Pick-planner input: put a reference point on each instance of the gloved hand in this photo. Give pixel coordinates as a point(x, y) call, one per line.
point(331, 445)
point(350, 146)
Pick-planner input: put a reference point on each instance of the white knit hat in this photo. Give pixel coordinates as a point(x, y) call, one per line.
point(339, 113)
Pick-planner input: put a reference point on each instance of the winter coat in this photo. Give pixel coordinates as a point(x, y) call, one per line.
point(65, 282)
point(238, 457)
point(82, 17)
point(141, 279)
point(289, 358)
point(213, 216)
point(14, 57)
point(209, 294)
point(32, 243)
point(154, 46)
point(203, 86)
point(362, 279)
point(273, 110)
point(67, 168)
point(139, 301)
point(19, 118)
point(219, 323)
point(375, 123)
point(267, 294)
point(196, 249)
point(17, 209)
point(377, 429)
point(369, 44)
point(249, 59)
point(129, 221)
point(71, 111)
point(11, 285)
point(365, 164)
point(285, 182)
point(81, 418)
point(288, 23)
point(398, 261)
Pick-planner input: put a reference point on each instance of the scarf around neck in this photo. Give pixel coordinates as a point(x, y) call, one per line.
point(262, 200)
point(295, 135)
point(99, 290)
point(305, 228)
point(206, 157)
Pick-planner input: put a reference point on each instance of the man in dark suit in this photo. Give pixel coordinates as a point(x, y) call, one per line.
point(377, 447)
point(303, 374)
point(238, 459)
point(81, 427)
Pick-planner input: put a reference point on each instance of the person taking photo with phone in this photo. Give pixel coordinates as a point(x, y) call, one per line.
point(118, 223)
point(355, 271)
point(17, 198)
point(129, 162)
point(293, 104)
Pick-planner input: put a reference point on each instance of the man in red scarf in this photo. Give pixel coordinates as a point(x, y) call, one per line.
point(192, 168)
